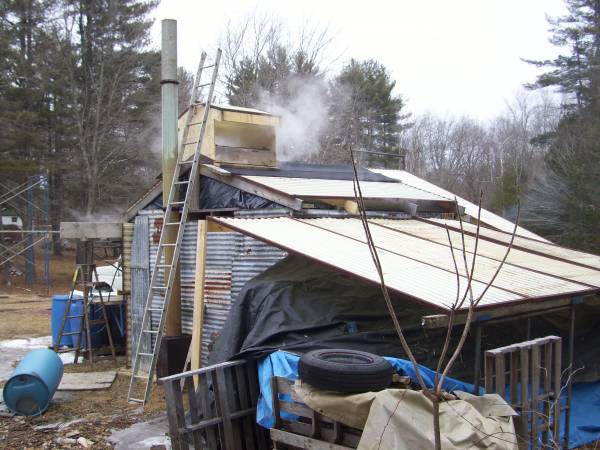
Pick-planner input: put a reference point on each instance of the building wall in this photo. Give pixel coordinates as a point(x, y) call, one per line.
point(231, 260)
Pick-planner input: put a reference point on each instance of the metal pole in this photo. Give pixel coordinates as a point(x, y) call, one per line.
point(169, 104)
point(30, 253)
point(46, 187)
point(570, 373)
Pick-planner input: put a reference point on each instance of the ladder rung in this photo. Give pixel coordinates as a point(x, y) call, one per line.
point(182, 182)
point(177, 203)
point(145, 354)
point(208, 67)
point(136, 400)
point(151, 331)
point(203, 84)
point(143, 377)
point(164, 265)
point(154, 309)
point(75, 317)
point(173, 223)
point(66, 350)
point(72, 333)
point(168, 245)
point(189, 161)
point(162, 288)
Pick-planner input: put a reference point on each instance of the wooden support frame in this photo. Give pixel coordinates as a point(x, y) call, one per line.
point(219, 413)
point(198, 313)
point(534, 369)
point(314, 431)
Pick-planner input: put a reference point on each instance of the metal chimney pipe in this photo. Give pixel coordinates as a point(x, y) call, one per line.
point(169, 96)
point(169, 102)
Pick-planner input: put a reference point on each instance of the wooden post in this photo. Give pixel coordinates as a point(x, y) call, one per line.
point(198, 314)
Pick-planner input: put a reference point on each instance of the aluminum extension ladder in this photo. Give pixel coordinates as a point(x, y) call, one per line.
point(154, 336)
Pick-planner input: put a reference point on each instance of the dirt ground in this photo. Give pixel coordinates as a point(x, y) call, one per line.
point(96, 413)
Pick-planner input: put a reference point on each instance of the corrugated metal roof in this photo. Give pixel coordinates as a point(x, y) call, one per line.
point(548, 248)
point(415, 267)
point(343, 189)
point(487, 217)
point(547, 264)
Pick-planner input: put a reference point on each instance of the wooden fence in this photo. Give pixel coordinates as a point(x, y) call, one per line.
point(215, 408)
point(528, 375)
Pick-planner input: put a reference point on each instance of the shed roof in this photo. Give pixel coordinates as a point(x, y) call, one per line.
point(487, 217)
point(312, 188)
point(417, 262)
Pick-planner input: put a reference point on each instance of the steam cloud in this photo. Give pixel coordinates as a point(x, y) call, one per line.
point(303, 117)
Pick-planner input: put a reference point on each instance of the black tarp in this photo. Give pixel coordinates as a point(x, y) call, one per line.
point(217, 195)
point(300, 306)
point(297, 305)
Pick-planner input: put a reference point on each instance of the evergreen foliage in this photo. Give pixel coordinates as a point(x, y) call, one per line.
point(79, 96)
point(565, 204)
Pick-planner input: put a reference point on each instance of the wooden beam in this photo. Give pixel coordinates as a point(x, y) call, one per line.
point(198, 314)
point(499, 312)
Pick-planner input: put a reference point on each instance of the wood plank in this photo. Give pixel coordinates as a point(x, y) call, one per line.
point(175, 416)
point(275, 401)
point(304, 442)
point(524, 357)
point(222, 402)
point(207, 410)
point(87, 381)
point(500, 375)
point(244, 400)
point(284, 385)
point(299, 409)
point(514, 377)
point(194, 410)
point(547, 376)
point(535, 390)
point(252, 370)
point(557, 371)
point(234, 407)
point(198, 312)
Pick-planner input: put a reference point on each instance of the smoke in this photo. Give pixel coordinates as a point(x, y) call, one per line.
point(304, 115)
point(104, 215)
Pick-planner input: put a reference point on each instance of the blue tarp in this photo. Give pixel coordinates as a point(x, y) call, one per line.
point(585, 416)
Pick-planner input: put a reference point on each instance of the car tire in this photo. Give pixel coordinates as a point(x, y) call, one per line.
point(347, 371)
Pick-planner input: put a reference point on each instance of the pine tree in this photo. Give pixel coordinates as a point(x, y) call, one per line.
point(565, 204)
point(114, 90)
point(364, 113)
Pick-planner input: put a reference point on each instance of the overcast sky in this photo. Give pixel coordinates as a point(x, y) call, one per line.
point(460, 57)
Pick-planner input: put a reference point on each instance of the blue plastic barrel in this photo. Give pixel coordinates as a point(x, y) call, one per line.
point(33, 383)
point(97, 332)
point(59, 304)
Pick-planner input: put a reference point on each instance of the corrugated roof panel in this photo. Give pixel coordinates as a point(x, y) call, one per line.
point(423, 282)
point(544, 264)
point(319, 188)
point(534, 245)
point(510, 278)
point(471, 209)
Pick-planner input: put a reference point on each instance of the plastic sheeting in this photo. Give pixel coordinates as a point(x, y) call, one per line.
point(585, 416)
point(217, 195)
point(302, 306)
point(285, 364)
